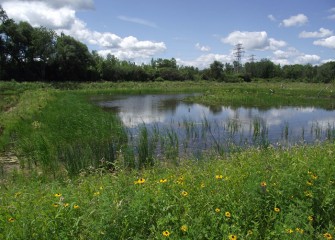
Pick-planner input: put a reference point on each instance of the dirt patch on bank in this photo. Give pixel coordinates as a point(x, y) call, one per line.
point(8, 163)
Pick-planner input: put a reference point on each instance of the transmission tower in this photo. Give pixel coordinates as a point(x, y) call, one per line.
point(252, 58)
point(238, 54)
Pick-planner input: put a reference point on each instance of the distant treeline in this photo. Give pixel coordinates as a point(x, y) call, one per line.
point(38, 54)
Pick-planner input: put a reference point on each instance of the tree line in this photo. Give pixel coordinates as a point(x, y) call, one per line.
point(39, 54)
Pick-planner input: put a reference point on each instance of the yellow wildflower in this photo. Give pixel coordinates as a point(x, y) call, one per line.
point(227, 214)
point(263, 184)
point(166, 233)
point(76, 206)
point(308, 194)
point(184, 193)
point(218, 176)
point(184, 228)
point(217, 210)
point(58, 195)
point(232, 237)
point(11, 220)
point(289, 231)
point(140, 181)
point(96, 193)
point(56, 205)
point(276, 209)
point(66, 205)
point(328, 236)
point(163, 180)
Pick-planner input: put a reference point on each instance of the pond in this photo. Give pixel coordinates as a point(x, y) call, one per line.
point(190, 126)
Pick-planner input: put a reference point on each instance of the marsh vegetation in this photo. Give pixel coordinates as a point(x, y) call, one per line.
point(84, 174)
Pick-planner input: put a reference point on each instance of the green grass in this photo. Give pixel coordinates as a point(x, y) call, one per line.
point(268, 95)
point(75, 181)
point(213, 199)
point(72, 133)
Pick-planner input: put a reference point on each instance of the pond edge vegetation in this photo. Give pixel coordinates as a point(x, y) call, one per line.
point(262, 193)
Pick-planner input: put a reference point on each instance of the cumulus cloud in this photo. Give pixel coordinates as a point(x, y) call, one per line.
point(74, 4)
point(323, 32)
point(328, 60)
point(253, 40)
point(326, 42)
point(275, 44)
point(62, 18)
point(204, 61)
point(39, 13)
point(272, 18)
point(332, 13)
point(202, 48)
point(297, 20)
point(138, 21)
point(307, 58)
point(293, 56)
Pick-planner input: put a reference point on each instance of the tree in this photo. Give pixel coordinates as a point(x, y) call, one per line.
point(43, 48)
point(265, 68)
point(72, 59)
point(3, 15)
point(326, 72)
point(216, 70)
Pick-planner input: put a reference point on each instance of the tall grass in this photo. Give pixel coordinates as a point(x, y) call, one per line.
point(257, 193)
point(268, 194)
point(69, 133)
point(259, 95)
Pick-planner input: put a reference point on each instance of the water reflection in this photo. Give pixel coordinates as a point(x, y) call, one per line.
point(223, 124)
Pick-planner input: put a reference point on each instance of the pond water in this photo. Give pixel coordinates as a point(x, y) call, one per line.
point(195, 126)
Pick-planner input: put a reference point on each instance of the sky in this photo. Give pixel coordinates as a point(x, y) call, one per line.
point(195, 33)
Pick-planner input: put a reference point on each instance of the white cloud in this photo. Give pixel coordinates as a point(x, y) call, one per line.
point(323, 32)
point(253, 40)
point(297, 20)
point(293, 56)
point(38, 13)
point(63, 19)
point(272, 18)
point(204, 61)
point(326, 42)
point(275, 44)
point(332, 12)
point(131, 48)
point(202, 48)
point(138, 21)
point(328, 60)
point(306, 58)
point(281, 62)
point(74, 4)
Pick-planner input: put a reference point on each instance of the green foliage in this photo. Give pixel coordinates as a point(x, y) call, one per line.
point(29, 53)
point(268, 194)
point(265, 95)
point(326, 72)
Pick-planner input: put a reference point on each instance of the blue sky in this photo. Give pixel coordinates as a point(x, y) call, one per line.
point(194, 32)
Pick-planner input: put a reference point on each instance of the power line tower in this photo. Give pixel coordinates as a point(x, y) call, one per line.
point(252, 58)
point(238, 54)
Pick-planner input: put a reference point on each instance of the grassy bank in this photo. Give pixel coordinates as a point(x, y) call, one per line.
point(55, 127)
point(266, 95)
point(75, 181)
point(268, 194)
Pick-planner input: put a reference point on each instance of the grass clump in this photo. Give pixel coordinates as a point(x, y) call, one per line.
point(272, 194)
point(70, 133)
